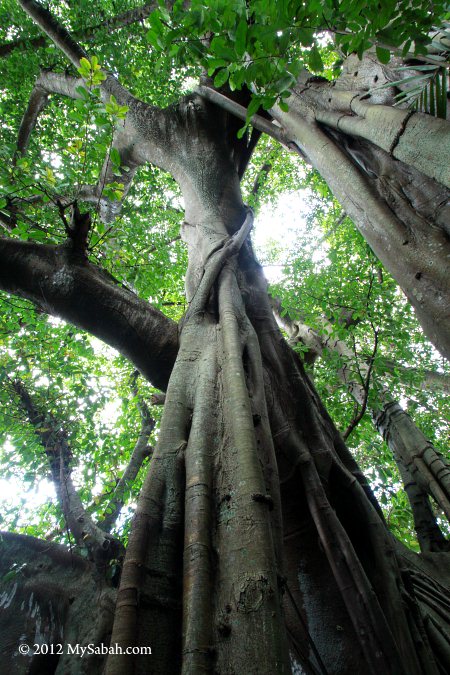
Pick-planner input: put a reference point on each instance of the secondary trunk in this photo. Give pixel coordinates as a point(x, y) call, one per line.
point(424, 471)
point(387, 168)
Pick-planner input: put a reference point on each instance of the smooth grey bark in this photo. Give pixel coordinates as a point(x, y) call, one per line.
point(401, 212)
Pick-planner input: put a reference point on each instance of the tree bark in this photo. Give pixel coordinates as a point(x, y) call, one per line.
point(50, 596)
point(424, 471)
point(251, 490)
point(68, 286)
point(401, 212)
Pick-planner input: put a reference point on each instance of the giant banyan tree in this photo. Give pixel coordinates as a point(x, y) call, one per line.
point(257, 545)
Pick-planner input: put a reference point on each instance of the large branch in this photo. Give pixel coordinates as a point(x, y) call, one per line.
point(139, 138)
point(426, 379)
point(57, 33)
point(390, 206)
point(240, 111)
point(53, 438)
point(124, 137)
point(316, 342)
point(417, 139)
point(114, 23)
point(64, 284)
point(413, 250)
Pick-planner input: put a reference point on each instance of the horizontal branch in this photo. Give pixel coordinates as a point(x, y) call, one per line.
point(61, 283)
point(424, 379)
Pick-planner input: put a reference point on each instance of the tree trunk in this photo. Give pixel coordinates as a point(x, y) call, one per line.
point(386, 167)
point(256, 534)
point(424, 471)
point(236, 395)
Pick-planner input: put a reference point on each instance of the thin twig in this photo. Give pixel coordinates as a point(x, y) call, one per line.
point(356, 420)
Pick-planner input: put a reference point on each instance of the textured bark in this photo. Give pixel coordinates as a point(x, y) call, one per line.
point(251, 490)
point(65, 285)
point(49, 595)
point(401, 212)
point(206, 418)
point(232, 547)
point(428, 467)
point(388, 171)
point(424, 471)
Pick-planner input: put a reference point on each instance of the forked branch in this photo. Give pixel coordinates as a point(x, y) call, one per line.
point(53, 438)
point(141, 127)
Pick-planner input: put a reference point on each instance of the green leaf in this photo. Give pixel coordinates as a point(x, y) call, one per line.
point(221, 48)
point(155, 23)
point(254, 106)
point(242, 131)
point(83, 92)
point(383, 55)
point(154, 39)
point(315, 60)
point(85, 65)
point(221, 77)
point(241, 37)
point(214, 64)
point(115, 156)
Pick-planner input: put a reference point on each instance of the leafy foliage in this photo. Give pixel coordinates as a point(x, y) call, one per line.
point(264, 45)
point(424, 87)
